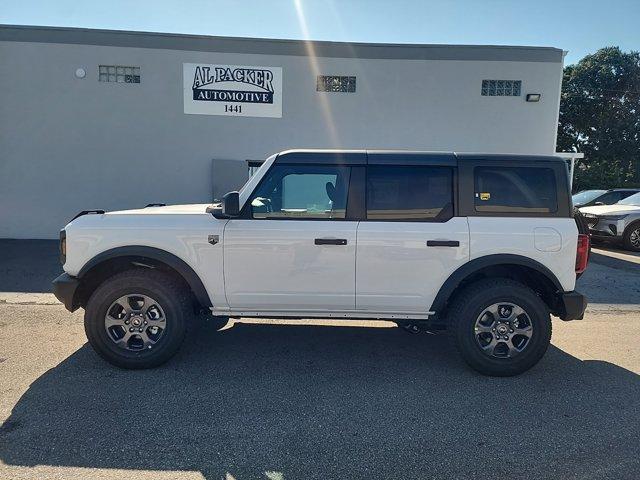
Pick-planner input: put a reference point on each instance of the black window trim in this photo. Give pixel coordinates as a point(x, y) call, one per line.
point(463, 179)
point(466, 185)
point(245, 213)
point(418, 163)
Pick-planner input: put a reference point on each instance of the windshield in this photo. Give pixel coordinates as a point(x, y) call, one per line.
point(254, 179)
point(586, 196)
point(632, 200)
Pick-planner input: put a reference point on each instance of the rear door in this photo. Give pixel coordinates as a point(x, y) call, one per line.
point(411, 240)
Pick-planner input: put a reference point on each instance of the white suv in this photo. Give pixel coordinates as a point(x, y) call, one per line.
point(484, 246)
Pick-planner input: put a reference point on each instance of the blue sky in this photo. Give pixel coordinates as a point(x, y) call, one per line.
point(578, 26)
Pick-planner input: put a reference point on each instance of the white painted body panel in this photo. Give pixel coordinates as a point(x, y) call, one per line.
point(517, 236)
point(398, 272)
point(275, 265)
point(182, 230)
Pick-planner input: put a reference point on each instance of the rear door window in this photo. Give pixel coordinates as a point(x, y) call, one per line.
point(409, 193)
point(515, 190)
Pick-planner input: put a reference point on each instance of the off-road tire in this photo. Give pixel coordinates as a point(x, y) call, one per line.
point(626, 237)
point(470, 303)
point(174, 299)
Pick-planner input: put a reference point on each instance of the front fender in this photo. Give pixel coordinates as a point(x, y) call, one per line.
point(180, 240)
point(162, 256)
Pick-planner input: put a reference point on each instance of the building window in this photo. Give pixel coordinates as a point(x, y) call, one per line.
point(254, 165)
point(501, 88)
point(118, 74)
point(335, 83)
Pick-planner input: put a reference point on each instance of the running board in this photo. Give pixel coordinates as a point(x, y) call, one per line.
point(322, 314)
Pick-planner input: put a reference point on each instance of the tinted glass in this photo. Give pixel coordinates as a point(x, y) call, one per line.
point(409, 193)
point(610, 198)
point(302, 191)
point(586, 196)
point(631, 200)
point(627, 193)
point(515, 189)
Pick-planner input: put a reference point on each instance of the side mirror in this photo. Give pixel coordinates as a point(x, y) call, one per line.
point(228, 208)
point(599, 203)
point(231, 204)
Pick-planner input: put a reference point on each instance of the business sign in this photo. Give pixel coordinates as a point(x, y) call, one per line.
point(232, 90)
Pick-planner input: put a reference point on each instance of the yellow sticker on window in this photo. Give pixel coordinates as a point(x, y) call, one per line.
point(485, 196)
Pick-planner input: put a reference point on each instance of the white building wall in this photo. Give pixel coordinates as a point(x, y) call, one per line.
point(68, 144)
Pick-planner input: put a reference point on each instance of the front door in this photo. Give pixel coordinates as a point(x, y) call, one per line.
point(411, 241)
point(293, 249)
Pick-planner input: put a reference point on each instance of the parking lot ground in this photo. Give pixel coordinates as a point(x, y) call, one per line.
point(329, 399)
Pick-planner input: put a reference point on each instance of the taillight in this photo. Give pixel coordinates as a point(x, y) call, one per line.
point(582, 253)
point(63, 246)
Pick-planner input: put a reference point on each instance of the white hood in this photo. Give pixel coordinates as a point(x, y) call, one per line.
point(169, 209)
point(615, 209)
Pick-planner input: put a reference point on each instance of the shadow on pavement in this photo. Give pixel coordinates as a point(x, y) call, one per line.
point(328, 402)
point(618, 263)
point(611, 281)
point(28, 265)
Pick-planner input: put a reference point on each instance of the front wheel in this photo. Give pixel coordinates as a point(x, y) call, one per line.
point(631, 237)
point(138, 318)
point(500, 327)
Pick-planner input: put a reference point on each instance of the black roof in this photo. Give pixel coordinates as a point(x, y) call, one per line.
point(406, 157)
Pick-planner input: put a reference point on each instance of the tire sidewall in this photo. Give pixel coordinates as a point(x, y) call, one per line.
point(627, 236)
point(142, 284)
point(538, 344)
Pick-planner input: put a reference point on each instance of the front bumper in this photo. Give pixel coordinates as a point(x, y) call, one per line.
point(64, 288)
point(571, 306)
point(605, 228)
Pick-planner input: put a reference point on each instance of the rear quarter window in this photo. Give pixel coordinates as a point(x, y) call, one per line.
point(515, 190)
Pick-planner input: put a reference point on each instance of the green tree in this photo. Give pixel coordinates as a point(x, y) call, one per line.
point(600, 117)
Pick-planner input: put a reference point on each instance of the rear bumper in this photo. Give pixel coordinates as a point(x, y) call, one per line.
point(64, 288)
point(571, 306)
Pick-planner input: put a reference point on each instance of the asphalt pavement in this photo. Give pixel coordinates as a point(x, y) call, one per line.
point(268, 400)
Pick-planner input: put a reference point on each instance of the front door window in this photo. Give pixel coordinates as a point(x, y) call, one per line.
point(302, 192)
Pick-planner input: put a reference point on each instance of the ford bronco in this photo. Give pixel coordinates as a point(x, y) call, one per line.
point(483, 246)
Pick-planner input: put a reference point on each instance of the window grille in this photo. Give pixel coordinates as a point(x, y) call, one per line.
point(336, 83)
point(118, 74)
point(501, 88)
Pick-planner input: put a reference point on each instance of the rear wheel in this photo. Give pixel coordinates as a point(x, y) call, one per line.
point(631, 237)
point(137, 319)
point(500, 327)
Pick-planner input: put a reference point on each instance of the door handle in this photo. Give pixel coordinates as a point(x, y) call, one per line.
point(330, 241)
point(443, 243)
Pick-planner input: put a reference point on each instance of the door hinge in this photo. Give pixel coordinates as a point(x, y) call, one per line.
point(213, 239)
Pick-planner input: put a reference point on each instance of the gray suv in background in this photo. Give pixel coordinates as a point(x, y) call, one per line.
point(619, 222)
point(588, 198)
